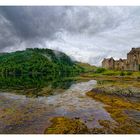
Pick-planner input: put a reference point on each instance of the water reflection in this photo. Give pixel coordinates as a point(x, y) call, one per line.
point(23, 115)
point(34, 86)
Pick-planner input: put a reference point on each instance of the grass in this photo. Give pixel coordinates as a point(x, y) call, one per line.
point(101, 72)
point(87, 67)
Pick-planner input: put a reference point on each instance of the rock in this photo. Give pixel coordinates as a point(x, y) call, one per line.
point(63, 125)
point(120, 91)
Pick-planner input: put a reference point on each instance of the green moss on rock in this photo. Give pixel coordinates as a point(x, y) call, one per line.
point(63, 125)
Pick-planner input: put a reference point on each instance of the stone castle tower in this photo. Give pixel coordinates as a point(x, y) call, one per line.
point(132, 62)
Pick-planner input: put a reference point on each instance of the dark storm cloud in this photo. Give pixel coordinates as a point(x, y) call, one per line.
point(86, 33)
point(32, 22)
point(43, 22)
point(7, 32)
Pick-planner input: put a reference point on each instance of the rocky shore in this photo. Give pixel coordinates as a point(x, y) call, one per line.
point(122, 100)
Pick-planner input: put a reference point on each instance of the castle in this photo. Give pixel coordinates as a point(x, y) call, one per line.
point(132, 62)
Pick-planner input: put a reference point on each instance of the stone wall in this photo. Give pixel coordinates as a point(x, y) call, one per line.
point(108, 63)
point(131, 63)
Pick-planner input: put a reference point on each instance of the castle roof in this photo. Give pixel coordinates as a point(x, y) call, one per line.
point(123, 60)
point(134, 50)
point(108, 59)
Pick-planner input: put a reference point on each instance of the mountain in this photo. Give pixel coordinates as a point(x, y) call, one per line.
point(38, 61)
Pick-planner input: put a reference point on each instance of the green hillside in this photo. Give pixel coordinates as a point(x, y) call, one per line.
point(38, 61)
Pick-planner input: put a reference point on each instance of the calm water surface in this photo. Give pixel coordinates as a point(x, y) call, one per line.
point(20, 114)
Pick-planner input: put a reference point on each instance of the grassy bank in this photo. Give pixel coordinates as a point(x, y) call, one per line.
point(101, 72)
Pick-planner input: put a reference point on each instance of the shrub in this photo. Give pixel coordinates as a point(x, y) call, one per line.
point(129, 73)
point(111, 73)
point(100, 70)
point(122, 73)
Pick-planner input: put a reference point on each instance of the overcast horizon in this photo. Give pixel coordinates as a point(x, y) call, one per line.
point(86, 34)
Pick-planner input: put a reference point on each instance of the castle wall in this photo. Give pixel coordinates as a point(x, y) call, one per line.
point(108, 63)
point(131, 63)
point(134, 59)
point(120, 65)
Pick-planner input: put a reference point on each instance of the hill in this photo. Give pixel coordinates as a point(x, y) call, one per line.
point(86, 67)
point(38, 61)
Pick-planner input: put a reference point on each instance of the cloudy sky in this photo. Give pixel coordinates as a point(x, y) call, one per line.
point(87, 34)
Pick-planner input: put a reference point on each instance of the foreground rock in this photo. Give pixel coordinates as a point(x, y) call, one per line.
point(62, 125)
point(117, 106)
point(120, 91)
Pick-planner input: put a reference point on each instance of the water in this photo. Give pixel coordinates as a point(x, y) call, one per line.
point(22, 115)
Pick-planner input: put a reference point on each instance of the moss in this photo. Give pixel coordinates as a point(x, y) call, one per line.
point(112, 128)
point(126, 128)
point(112, 100)
point(116, 106)
point(63, 125)
point(98, 131)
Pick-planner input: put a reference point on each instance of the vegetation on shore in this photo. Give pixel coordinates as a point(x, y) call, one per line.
point(120, 92)
point(114, 94)
point(38, 61)
point(34, 86)
point(102, 72)
point(36, 72)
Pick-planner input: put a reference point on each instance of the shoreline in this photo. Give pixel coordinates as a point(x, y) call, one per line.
point(121, 107)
